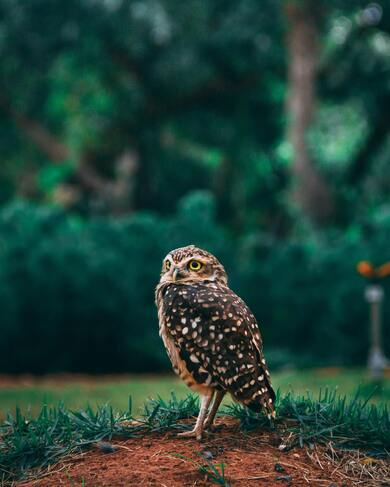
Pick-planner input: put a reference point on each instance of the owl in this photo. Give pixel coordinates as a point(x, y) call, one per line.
point(211, 336)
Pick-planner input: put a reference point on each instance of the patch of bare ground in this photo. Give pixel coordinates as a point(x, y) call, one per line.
point(249, 459)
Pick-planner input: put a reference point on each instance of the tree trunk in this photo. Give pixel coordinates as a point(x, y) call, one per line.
point(309, 191)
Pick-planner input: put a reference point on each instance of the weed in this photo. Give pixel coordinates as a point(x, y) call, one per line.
point(215, 472)
point(161, 414)
point(73, 482)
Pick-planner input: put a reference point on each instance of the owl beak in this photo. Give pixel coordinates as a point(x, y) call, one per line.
point(177, 274)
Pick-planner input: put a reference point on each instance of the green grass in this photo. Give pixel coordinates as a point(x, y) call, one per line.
point(79, 395)
point(38, 431)
point(348, 423)
point(214, 472)
point(116, 392)
point(28, 442)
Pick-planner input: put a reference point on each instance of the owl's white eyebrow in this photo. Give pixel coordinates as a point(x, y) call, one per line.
point(194, 257)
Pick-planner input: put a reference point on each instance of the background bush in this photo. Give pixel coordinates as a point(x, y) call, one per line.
point(157, 123)
point(78, 295)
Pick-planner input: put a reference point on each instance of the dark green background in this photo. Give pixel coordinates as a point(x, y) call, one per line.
point(193, 94)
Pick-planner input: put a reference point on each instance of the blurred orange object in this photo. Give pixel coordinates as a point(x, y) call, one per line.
point(366, 269)
point(383, 270)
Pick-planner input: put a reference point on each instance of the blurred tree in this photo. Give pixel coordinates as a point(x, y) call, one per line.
point(354, 73)
point(174, 85)
point(172, 116)
point(310, 190)
point(138, 103)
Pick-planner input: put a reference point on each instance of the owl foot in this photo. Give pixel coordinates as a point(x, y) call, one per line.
point(195, 433)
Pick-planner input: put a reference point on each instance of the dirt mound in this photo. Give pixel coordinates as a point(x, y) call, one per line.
point(253, 458)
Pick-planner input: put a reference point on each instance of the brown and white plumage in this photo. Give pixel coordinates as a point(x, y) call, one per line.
point(211, 336)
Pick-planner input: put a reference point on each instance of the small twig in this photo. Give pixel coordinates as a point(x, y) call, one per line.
point(41, 476)
point(257, 477)
point(309, 480)
point(123, 447)
point(299, 467)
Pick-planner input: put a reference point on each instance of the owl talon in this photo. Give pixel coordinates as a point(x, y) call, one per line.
point(191, 434)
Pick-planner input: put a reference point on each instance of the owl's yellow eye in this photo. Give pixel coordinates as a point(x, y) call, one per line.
point(195, 265)
point(167, 264)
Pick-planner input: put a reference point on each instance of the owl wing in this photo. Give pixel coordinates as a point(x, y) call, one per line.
point(218, 338)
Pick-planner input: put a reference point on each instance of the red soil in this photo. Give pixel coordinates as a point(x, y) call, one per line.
point(250, 459)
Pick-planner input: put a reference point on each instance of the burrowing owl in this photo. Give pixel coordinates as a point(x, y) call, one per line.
point(211, 336)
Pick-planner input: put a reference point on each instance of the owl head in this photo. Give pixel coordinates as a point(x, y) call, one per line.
point(190, 265)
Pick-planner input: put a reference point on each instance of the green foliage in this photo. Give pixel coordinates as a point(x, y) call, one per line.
point(196, 92)
point(77, 295)
point(163, 414)
point(37, 442)
point(214, 472)
point(347, 423)
point(77, 394)
point(156, 76)
point(199, 87)
point(53, 434)
point(30, 442)
point(27, 442)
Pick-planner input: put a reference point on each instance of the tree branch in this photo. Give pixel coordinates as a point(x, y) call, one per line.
point(53, 148)
point(43, 139)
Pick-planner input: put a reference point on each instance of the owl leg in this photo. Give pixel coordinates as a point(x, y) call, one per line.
point(204, 406)
point(217, 401)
